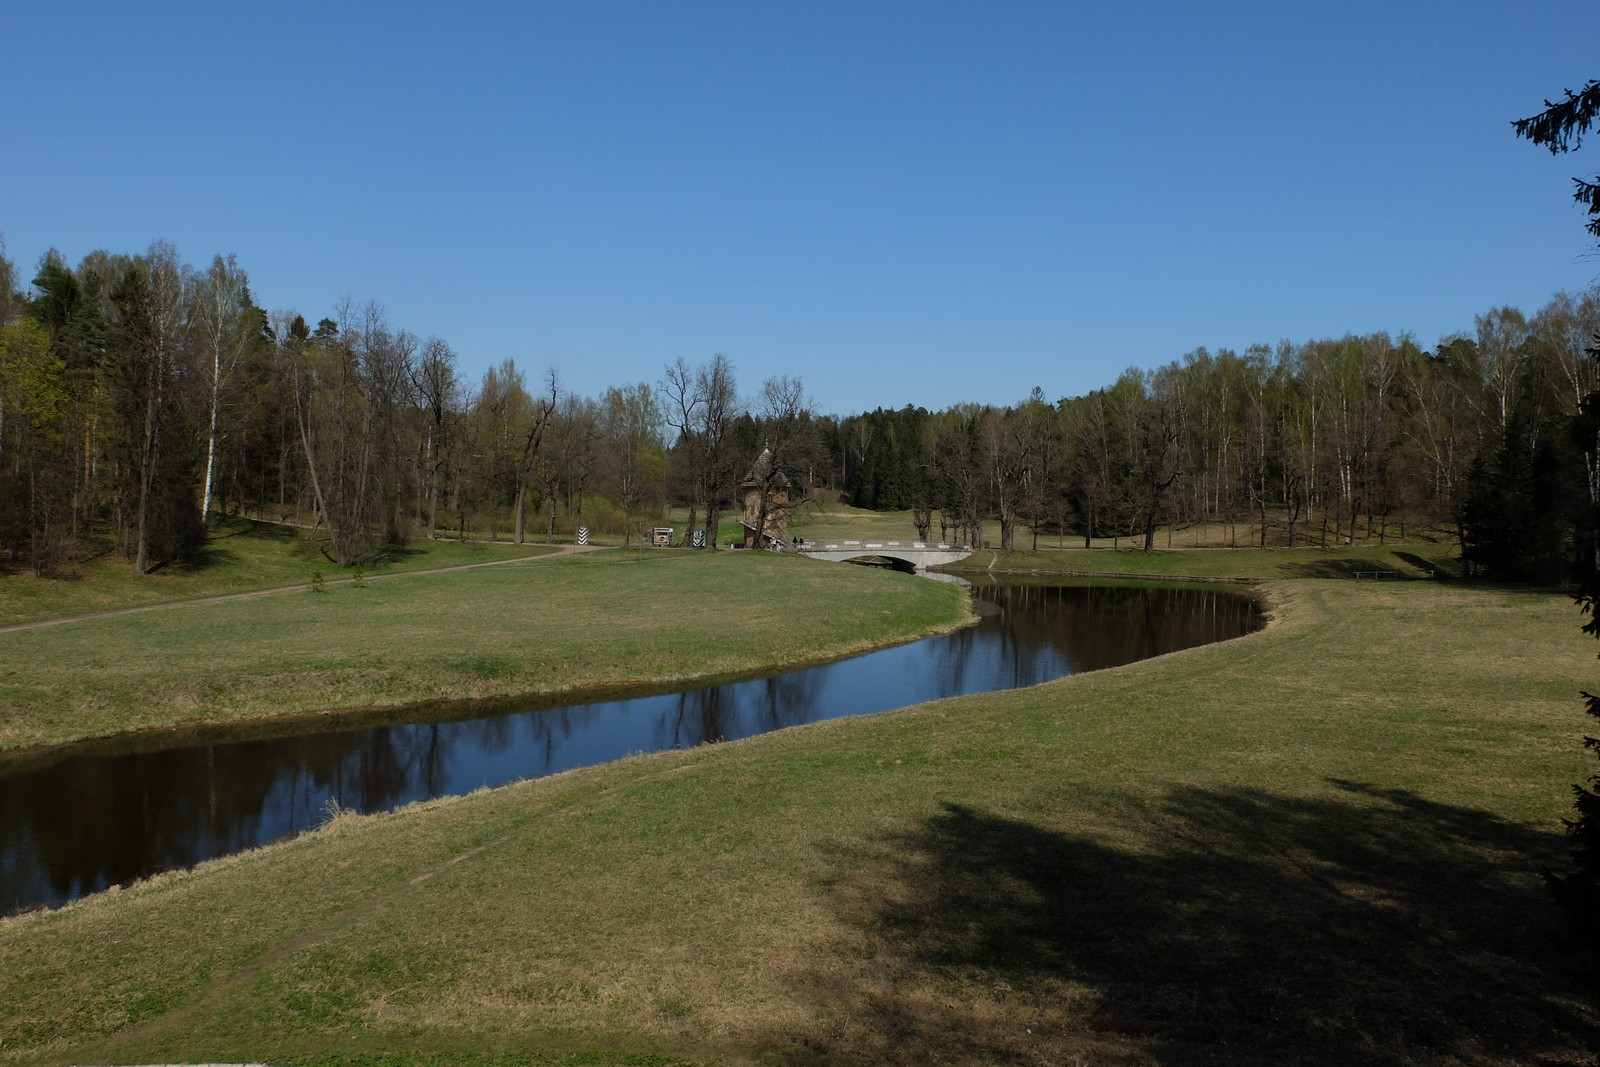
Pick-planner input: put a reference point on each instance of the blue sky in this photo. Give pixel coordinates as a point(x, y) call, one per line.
point(924, 203)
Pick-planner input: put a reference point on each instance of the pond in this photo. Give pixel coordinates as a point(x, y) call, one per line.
point(91, 816)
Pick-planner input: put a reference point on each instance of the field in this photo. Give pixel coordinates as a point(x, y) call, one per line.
point(823, 518)
point(595, 622)
point(241, 556)
point(1320, 844)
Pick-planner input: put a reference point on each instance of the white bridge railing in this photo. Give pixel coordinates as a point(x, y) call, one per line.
point(898, 546)
point(917, 555)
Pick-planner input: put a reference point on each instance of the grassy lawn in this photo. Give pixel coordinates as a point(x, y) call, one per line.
point(1365, 562)
point(581, 623)
point(826, 520)
point(817, 519)
point(241, 555)
point(1316, 845)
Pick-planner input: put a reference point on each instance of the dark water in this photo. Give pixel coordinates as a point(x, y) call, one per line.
point(95, 817)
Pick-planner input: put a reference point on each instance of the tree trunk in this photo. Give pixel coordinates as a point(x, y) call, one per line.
point(211, 436)
point(311, 463)
point(147, 470)
point(433, 504)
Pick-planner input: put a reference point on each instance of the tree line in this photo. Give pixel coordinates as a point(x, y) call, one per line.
point(141, 396)
point(1322, 442)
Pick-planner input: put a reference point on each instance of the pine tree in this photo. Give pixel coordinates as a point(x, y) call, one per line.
point(1560, 128)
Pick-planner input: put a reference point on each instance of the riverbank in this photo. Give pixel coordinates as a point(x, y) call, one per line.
point(1317, 844)
point(1404, 561)
point(568, 625)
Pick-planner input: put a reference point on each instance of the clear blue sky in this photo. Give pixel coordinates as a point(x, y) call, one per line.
point(921, 202)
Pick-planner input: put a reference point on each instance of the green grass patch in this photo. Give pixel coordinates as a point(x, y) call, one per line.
point(1423, 559)
point(826, 520)
point(1319, 844)
point(240, 556)
point(594, 622)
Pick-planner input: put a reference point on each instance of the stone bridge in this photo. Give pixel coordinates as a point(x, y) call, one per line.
point(908, 556)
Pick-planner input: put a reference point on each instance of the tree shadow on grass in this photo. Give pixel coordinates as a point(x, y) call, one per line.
point(215, 553)
point(389, 554)
point(1372, 926)
point(207, 557)
point(1349, 568)
point(1431, 567)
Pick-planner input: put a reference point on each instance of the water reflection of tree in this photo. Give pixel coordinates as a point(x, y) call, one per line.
point(89, 822)
point(548, 733)
point(1094, 627)
point(953, 660)
point(698, 718)
point(784, 701)
point(96, 822)
point(743, 709)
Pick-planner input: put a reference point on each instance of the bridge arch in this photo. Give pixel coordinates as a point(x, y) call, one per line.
point(899, 563)
point(909, 557)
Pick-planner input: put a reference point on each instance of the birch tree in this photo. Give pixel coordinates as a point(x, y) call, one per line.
point(229, 325)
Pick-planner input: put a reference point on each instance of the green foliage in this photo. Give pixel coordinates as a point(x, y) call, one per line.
point(1578, 890)
point(32, 378)
point(1521, 515)
point(1560, 127)
point(885, 466)
point(362, 431)
point(36, 475)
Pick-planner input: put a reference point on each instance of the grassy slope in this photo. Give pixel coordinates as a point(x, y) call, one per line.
point(1318, 844)
point(585, 622)
point(1371, 562)
point(816, 519)
point(240, 556)
point(823, 518)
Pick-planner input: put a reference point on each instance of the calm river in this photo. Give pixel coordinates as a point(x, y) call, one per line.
point(88, 817)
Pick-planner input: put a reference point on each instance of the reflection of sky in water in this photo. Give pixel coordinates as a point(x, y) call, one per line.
point(89, 821)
